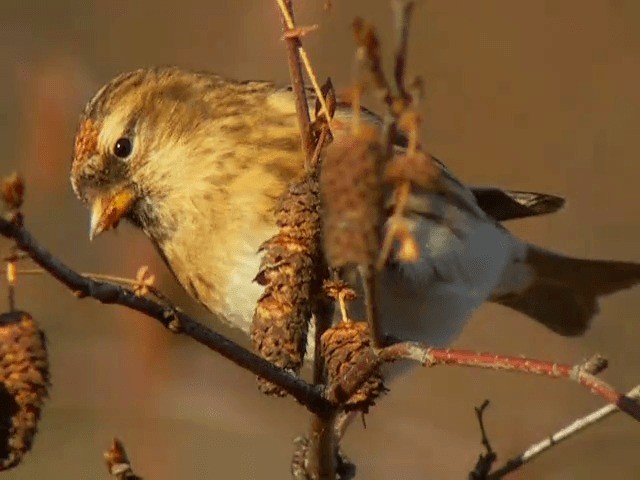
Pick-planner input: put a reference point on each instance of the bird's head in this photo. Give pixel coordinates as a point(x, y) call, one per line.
point(105, 153)
point(112, 150)
point(137, 142)
point(185, 154)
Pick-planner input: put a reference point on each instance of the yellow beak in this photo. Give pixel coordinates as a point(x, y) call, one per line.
point(107, 210)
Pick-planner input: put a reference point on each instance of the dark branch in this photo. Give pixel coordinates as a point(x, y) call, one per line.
point(485, 460)
point(402, 10)
point(297, 84)
point(175, 320)
point(320, 461)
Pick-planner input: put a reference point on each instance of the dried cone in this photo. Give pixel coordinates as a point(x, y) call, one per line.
point(289, 271)
point(24, 377)
point(351, 198)
point(418, 168)
point(12, 191)
point(344, 347)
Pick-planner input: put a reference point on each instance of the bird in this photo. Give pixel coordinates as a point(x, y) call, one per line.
point(198, 162)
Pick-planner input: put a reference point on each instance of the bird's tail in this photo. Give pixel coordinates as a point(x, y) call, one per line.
point(564, 292)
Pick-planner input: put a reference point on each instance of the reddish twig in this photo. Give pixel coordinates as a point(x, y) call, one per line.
point(431, 357)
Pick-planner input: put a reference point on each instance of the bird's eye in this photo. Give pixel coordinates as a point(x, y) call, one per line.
point(122, 148)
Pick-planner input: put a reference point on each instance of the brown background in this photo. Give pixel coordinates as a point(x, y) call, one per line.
point(536, 95)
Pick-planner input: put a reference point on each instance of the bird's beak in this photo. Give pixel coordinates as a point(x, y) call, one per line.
point(108, 209)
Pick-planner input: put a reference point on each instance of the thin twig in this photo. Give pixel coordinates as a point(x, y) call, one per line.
point(321, 461)
point(431, 357)
point(480, 417)
point(434, 356)
point(300, 32)
point(565, 433)
point(118, 463)
point(297, 82)
point(370, 282)
point(26, 271)
point(485, 460)
point(322, 139)
point(170, 317)
point(11, 280)
point(402, 10)
point(301, 55)
point(130, 282)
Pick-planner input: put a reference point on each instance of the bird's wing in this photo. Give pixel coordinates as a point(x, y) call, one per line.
point(503, 205)
point(499, 204)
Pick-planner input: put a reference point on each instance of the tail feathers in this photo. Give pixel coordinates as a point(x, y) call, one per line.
point(563, 294)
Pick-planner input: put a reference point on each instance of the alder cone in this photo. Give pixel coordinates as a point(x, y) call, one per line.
point(343, 347)
point(351, 195)
point(290, 271)
point(12, 191)
point(24, 382)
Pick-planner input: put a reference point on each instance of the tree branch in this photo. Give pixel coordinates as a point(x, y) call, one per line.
point(173, 319)
point(565, 433)
point(297, 80)
point(118, 463)
point(321, 447)
point(432, 357)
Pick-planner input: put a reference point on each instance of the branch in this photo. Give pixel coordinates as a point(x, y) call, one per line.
point(402, 11)
point(431, 357)
point(485, 460)
point(297, 81)
point(567, 432)
point(579, 373)
point(118, 463)
point(320, 452)
point(174, 320)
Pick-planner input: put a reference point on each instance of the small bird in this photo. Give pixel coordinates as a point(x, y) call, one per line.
point(198, 162)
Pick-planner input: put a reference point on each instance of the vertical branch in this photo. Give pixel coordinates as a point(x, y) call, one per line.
point(118, 463)
point(370, 280)
point(11, 280)
point(320, 462)
point(12, 196)
point(297, 81)
point(402, 10)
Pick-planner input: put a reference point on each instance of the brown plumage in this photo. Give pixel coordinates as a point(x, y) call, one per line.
point(198, 162)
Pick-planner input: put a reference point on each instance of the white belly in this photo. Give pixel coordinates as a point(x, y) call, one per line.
point(430, 301)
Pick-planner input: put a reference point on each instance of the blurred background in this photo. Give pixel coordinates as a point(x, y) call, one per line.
point(536, 95)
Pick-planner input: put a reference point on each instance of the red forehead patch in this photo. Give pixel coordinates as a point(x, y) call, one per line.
point(86, 141)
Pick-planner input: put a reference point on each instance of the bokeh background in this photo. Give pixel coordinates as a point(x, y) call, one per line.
point(539, 95)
